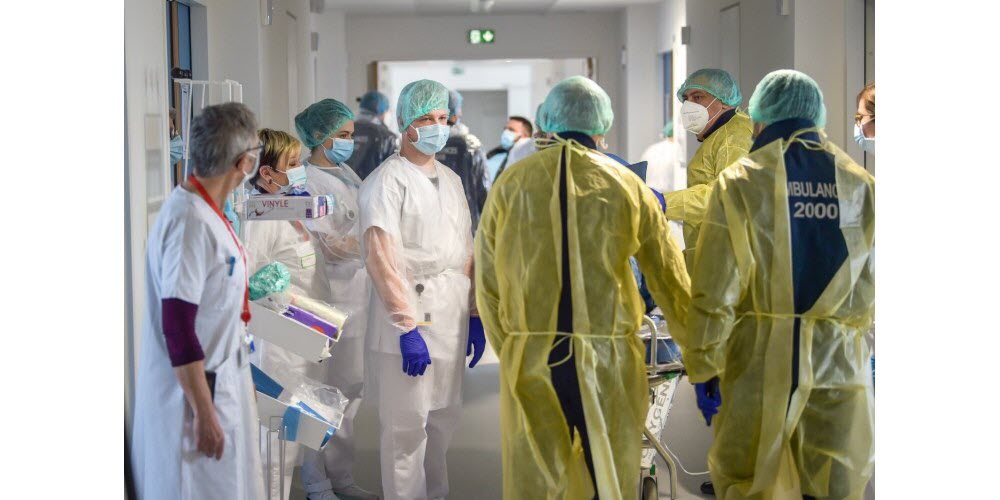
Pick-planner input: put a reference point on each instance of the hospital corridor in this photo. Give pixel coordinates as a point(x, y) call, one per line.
point(512, 249)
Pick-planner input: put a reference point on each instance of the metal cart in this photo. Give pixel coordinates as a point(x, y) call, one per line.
point(664, 370)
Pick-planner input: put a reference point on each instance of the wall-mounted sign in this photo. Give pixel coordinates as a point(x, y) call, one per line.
point(481, 36)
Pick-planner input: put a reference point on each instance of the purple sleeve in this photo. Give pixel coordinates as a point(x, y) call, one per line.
point(178, 328)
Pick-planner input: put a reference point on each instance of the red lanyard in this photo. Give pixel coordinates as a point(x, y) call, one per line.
point(245, 316)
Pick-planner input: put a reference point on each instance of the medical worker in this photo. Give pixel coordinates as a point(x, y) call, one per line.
point(195, 428)
point(517, 131)
point(524, 148)
point(327, 128)
point(417, 245)
point(463, 154)
point(290, 243)
point(864, 119)
point(373, 141)
point(562, 308)
point(783, 293)
point(709, 98)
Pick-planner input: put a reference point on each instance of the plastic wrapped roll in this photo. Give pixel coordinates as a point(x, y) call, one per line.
point(272, 278)
point(312, 321)
point(322, 310)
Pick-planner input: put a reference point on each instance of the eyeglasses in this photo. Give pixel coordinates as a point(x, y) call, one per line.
point(253, 152)
point(859, 116)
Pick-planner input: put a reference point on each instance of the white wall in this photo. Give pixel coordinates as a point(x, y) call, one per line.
point(147, 156)
point(643, 115)
point(331, 59)
point(402, 38)
point(234, 46)
point(276, 111)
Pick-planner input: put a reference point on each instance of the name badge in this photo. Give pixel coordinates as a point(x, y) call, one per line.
point(306, 255)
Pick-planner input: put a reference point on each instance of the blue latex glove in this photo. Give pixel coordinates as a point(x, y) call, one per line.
point(709, 398)
point(660, 198)
point(477, 339)
point(415, 355)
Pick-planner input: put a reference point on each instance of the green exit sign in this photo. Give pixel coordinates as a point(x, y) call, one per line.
point(481, 36)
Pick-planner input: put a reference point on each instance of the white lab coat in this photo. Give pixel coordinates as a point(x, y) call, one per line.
point(339, 232)
point(431, 233)
point(187, 258)
point(521, 149)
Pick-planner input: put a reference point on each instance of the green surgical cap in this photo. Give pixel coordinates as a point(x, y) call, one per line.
point(576, 104)
point(668, 129)
point(785, 94)
point(419, 98)
point(320, 120)
point(716, 82)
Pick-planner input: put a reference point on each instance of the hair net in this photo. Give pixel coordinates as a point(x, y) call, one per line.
point(538, 118)
point(785, 94)
point(375, 102)
point(716, 82)
point(419, 98)
point(454, 103)
point(576, 104)
point(320, 120)
point(668, 129)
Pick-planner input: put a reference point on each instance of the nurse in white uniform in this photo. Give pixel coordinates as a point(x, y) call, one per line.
point(291, 244)
point(195, 433)
point(417, 243)
point(326, 128)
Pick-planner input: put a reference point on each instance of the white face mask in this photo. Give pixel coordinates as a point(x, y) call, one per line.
point(866, 144)
point(694, 116)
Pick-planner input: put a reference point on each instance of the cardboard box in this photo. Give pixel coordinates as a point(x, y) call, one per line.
point(281, 207)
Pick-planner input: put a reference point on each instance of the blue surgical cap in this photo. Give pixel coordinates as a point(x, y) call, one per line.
point(716, 82)
point(419, 98)
point(454, 103)
point(785, 94)
point(320, 120)
point(577, 104)
point(375, 102)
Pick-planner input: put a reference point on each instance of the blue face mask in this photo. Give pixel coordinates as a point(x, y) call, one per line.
point(507, 138)
point(296, 180)
point(176, 149)
point(341, 151)
point(431, 138)
point(866, 144)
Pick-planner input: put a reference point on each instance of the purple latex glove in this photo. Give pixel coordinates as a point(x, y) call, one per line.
point(709, 398)
point(415, 355)
point(477, 339)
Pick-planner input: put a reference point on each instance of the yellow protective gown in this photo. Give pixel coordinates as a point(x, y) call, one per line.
point(740, 327)
point(721, 149)
point(611, 215)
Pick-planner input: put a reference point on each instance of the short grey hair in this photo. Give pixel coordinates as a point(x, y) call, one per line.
point(219, 135)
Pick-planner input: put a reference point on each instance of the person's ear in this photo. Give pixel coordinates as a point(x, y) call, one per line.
point(267, 173)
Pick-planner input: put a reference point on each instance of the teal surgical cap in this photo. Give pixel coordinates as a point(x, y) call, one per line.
point(668, 129)
point(716, 82)
point(785, 94)
point(538, 118)
point(576, 104)
point(375, 102)
point(320, 120)
point(419, 98)
point(454, 103)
